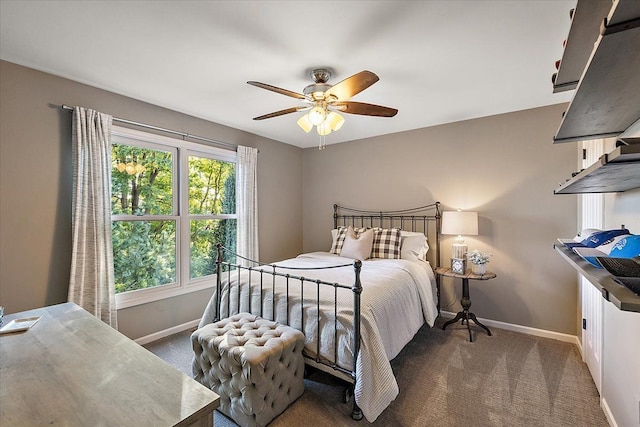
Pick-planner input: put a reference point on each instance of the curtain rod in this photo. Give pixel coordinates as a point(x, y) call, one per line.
point(174, 132)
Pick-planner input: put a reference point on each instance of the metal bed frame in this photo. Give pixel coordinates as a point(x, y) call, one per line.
point(417, 219)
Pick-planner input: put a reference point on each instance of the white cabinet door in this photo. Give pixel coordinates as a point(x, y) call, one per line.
point(621, 369)
point(592, 216)
point(592, 329)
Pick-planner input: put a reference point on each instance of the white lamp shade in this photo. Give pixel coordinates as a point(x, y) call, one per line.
point(460, 223)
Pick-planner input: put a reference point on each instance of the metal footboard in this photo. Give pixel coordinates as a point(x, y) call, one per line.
point(266, 278)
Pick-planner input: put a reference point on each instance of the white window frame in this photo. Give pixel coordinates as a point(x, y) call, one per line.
point(182, 150)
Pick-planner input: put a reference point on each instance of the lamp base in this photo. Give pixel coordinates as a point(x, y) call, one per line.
point(458, 265)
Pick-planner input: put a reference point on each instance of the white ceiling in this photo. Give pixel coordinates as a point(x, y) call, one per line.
point(438, 61)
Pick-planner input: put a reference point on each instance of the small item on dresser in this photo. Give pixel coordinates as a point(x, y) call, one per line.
point(19, 325)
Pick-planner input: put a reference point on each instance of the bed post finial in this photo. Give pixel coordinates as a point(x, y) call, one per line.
point(218, 279)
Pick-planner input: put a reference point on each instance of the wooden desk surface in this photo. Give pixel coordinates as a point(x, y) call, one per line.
point(71, 369)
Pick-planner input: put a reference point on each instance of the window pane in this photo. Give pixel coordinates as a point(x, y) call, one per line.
point(141, 180)
point(212, 186)
point(144, 254)
point(205, 234)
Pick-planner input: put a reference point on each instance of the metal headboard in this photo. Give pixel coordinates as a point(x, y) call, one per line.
point(425, 219)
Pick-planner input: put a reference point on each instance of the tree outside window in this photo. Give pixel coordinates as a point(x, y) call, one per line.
point(147, 219)
point(212, 193)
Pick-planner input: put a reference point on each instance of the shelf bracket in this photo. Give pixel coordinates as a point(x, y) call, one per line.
point(605, 29)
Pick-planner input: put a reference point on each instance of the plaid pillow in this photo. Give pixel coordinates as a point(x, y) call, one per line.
point(338, 243)
point(386, 243)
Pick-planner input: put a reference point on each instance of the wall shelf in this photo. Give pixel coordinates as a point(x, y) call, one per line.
point(622, 297)
point(607, 98)
point(613, 172)
point(583, 34)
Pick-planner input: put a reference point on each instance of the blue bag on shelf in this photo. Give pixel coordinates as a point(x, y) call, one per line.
point(603, 237)
point(627, 246)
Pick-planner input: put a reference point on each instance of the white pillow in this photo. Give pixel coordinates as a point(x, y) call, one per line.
point(338, 236)
point(413, 245)
point(357, 247)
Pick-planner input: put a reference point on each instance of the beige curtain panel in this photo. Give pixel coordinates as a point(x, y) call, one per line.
point(91, 284)
point(247, 203)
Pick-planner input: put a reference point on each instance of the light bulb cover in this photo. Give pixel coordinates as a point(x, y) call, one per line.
point(323, 128)
point(305, 124)
point(335, 120)
point(317, 115)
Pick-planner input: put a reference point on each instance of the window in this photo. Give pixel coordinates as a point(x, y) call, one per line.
point(212, 208)
point(171, 202)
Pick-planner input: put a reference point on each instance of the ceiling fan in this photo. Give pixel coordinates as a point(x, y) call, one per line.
point(325, 101)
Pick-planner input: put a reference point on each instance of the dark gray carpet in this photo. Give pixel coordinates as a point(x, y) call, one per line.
point(508, 379)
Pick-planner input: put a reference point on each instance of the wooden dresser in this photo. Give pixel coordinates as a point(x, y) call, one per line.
point(72, 369)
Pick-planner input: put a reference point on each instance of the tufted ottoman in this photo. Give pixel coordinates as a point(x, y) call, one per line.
point(255, 365)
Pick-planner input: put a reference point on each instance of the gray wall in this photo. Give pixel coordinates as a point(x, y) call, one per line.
point(505, 167)
point(35, 192)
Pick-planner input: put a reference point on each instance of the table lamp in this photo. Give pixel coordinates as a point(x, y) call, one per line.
point(459, 223)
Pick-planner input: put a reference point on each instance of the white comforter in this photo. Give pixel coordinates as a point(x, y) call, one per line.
point(398, 297)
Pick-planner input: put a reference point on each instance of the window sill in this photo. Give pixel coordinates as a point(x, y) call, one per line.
point(145, 296)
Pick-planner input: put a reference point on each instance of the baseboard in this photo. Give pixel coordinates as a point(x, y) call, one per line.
point(446, 314)
point(522, 329)
point(607, 412)
point(166, 332)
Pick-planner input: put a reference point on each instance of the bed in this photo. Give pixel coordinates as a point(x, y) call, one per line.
point(356, 315)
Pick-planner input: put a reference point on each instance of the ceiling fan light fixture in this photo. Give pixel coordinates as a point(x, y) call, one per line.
point(324, 101)
point(334, 120)
point(305, 124)
point(317, 115)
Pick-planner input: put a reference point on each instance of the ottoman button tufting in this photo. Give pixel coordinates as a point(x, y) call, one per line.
point(263, 379)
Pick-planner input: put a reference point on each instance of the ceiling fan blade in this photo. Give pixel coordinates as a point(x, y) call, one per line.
point(364, 109)
point(278, 90)
point(352, 85)
point(282, 112)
